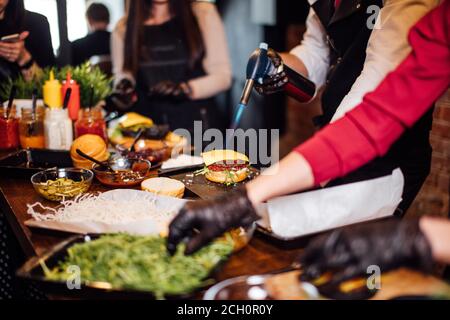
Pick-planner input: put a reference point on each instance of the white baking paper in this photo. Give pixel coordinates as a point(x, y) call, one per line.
point(182, 160)
point(140, 227)
point(320, 210)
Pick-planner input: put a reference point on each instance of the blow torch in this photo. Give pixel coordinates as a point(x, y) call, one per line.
point(257, 68)
point(261, 66)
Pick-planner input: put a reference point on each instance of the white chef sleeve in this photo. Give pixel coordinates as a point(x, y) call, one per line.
point(314, 50)
point(387, 47)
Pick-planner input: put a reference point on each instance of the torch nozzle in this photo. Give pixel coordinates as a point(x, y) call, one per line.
point(247, 91)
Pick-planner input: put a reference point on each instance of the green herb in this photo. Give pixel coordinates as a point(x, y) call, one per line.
point(142, 263)
point(230, 180)
point(199, 172)
point(231, 175)
point(24, 89)
point(85, 75)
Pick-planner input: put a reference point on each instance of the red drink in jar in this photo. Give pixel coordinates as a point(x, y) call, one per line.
point(91, 121)
point(9, 130)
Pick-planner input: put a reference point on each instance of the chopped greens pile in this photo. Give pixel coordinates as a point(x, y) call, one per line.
point(141, 263)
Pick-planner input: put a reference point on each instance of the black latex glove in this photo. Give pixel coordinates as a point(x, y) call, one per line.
point(169, 89)
point(211, 218)
point(347, 252)
point(276, 79)
point(123, 96)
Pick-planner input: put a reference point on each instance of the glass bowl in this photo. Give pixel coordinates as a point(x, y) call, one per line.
point(60, 184)
point(153, 151)
point(136, 171)
point(255, 287)
point(242, 236)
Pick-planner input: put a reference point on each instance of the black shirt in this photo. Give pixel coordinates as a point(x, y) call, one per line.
point(347, 37)
point(165, 57)
point(94, 44)
point(38, 43)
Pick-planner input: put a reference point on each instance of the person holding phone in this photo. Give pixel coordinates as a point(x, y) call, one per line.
point(25, 41)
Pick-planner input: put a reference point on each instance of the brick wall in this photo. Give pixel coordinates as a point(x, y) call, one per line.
point(434, 196)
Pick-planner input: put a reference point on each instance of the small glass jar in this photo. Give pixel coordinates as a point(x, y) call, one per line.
point(9, 129)
point(58, 129)
point(90, 121)
point(31, 128)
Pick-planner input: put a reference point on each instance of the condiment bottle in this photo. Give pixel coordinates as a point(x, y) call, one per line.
point(91, 121)
point(58, 129)
point(74, 102)
point(52, 92)
point(31, 128)
point(9, 129)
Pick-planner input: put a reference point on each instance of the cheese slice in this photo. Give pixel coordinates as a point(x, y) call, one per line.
point(214, 156)
point(132, 119)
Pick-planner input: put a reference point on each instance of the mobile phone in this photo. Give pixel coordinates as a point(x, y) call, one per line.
point(11, 38)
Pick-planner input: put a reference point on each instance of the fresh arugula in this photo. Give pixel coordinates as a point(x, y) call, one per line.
point(142, 263)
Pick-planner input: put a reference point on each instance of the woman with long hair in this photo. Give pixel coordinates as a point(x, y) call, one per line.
point(25, 41)
point(174, 54)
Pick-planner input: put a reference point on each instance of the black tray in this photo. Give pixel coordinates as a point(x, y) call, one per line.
point(25, 163)
point(301, 241)
point(32, 272)
point(282, 242)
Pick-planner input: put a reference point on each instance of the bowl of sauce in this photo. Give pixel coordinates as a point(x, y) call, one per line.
point(128, 173)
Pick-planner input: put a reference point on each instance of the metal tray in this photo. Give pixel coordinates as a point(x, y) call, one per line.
point(265, 233)
point(32, 272)
point(26, 162)
point(206, 189)
point(282, 242)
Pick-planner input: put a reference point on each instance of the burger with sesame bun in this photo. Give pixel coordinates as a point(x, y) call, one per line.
point(225, 166)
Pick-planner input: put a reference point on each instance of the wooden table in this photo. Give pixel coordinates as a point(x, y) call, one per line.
point(257, 258)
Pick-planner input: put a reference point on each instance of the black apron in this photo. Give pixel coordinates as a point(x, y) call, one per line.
point(348, 35)
point(8, 70)
point(165, 57)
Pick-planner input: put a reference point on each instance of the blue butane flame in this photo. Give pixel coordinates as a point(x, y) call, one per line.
point(237, 116)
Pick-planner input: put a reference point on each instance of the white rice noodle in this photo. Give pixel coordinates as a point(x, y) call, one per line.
point(94, 208)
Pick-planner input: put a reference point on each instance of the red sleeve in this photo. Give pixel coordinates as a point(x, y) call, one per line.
point(399, 101)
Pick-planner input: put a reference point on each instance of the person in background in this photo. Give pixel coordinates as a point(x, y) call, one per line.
point(29, 46)
point(174, 55)
point(364, 133)
point(97, 42)
point(349, 47)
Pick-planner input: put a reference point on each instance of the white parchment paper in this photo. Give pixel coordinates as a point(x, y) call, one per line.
point(320, 210)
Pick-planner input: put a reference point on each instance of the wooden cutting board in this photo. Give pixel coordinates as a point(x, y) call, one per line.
point(206, 189)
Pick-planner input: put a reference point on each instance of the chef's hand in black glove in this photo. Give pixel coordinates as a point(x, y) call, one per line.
point(123, 96)
point(276, 79)
point(211, 218)
point(169, 89)
point(347, 252)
